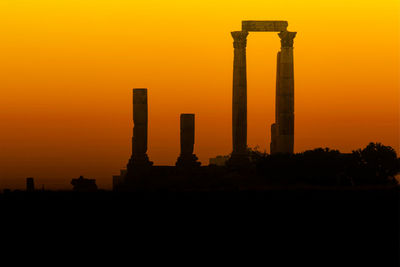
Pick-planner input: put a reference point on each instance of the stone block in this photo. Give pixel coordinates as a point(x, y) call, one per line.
point(264, 25)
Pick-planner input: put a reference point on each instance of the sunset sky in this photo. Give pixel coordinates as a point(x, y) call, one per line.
point(68, 68)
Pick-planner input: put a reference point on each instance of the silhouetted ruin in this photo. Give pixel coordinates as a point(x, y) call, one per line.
point(284, 197)
point(84, 185)
point(245, 168)
point(374, 165)
point(140, 167)
point(282, 131)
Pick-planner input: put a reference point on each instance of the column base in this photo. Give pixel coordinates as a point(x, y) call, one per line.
point(139, 162)
point(139, 169)
point(187, 161)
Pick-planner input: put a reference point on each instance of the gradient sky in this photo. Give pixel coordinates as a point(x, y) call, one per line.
point(68, 68)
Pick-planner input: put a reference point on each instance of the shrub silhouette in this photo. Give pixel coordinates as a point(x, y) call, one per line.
point(375, 164)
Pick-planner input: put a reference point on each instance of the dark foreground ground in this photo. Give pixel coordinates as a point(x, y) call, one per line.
point(272, 193)
point(343, 226)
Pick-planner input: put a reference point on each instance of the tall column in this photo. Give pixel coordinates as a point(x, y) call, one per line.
point(139, 156)
point(239, 99)
point(187, 158)
point(285, 95)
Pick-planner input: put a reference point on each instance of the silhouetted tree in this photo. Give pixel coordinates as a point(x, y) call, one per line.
point(255, 154)
point(279, 168)
point(321, 166)
point(375, 163)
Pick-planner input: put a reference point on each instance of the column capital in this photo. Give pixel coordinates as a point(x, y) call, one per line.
point(287, 38)
point(239, 39)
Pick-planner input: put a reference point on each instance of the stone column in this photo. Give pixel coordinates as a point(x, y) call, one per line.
point(285, 95)
point(139, 156)
point(239, 99)
point(187, 158)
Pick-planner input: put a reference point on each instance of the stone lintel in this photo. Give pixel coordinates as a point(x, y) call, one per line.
point(264, 25)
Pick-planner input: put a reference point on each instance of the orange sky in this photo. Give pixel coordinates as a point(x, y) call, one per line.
point(68, 67)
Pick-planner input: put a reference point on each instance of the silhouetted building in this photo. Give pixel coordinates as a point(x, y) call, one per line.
point(30, 186)
point(219, 160)
point(84, 185)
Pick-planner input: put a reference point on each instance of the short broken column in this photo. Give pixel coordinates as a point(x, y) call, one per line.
point(186, 157)
point(139, 156)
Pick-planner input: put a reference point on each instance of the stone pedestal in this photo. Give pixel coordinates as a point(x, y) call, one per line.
point(239, 99)
point(282, 139)
point(139, 158)
point(187, 158)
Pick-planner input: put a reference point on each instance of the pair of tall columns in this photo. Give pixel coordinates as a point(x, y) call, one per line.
point(239, 99)
point(139, 158)
point(283, 128)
